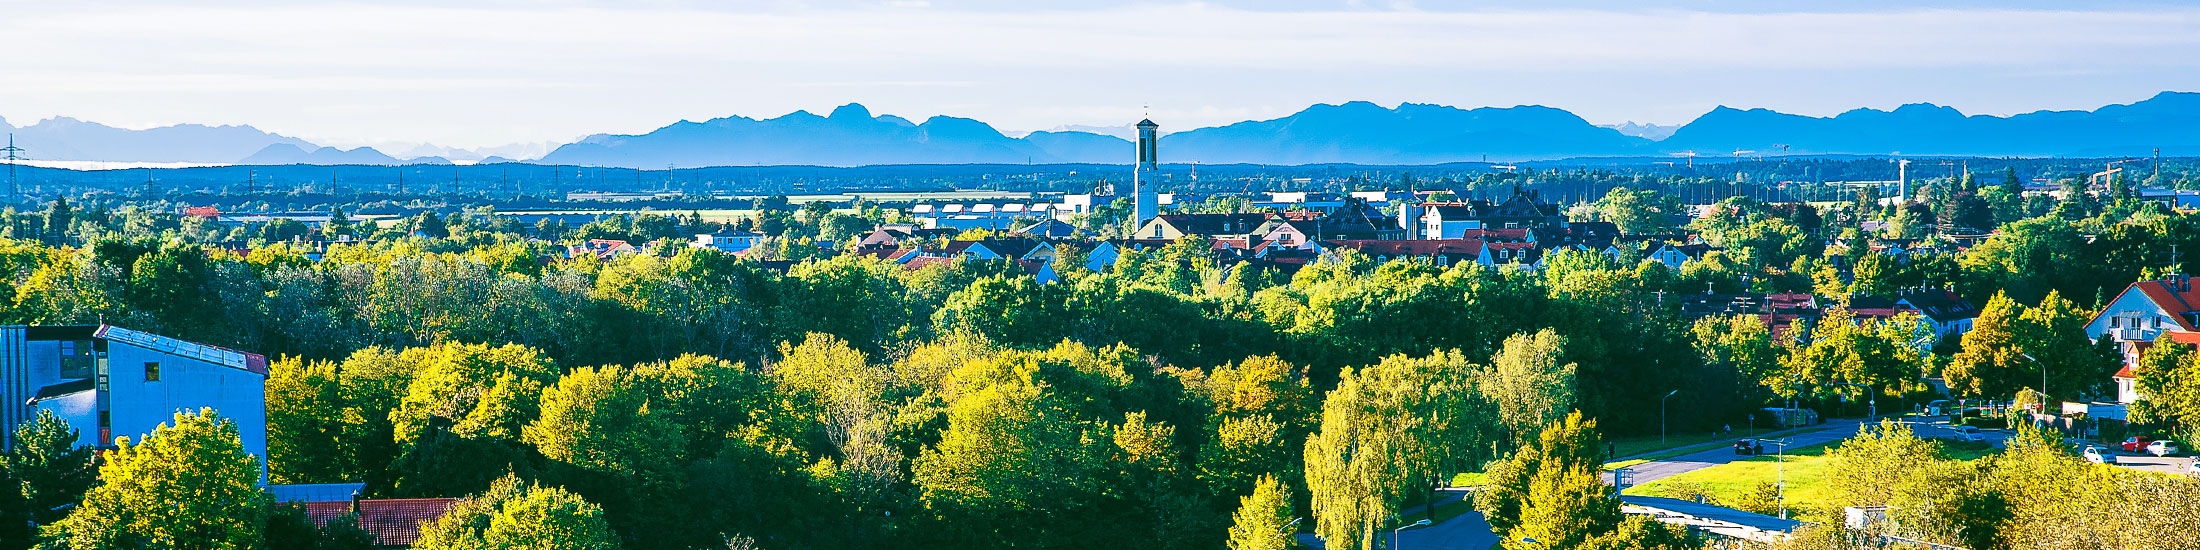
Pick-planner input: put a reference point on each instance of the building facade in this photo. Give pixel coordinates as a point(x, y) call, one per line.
point(111, 382)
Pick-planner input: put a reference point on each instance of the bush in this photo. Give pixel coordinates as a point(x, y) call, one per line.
point(1986, 422)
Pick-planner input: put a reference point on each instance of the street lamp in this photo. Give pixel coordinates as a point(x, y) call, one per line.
point(1661, 417)
point(1779, 456)
point(1394, 532)
point(2043, 379)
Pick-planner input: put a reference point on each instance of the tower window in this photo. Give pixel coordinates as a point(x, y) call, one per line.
point(152, 371)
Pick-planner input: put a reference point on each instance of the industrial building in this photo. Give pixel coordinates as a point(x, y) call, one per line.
point(110, 382)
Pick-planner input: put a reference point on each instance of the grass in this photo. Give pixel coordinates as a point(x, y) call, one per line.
point(1805, 474)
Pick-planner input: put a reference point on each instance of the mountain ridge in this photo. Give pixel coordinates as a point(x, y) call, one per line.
point(1356, 132)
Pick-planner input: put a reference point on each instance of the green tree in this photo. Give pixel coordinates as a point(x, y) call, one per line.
point(1639, 212)
point(190, 485)
point(1992, 362)
point(305, 423)
point(1387, 432)
point(511, 517)
point(1571, 443)
point(1264, 518)
point(55, 469)
point(1526, 381)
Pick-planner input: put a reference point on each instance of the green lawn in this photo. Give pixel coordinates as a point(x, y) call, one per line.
point(1805, 473)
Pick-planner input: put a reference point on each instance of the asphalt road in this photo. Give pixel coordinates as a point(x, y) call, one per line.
point(1831, 431)
point(1466, 531)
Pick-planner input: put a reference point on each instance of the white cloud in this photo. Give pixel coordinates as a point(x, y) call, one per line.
point(503, 71)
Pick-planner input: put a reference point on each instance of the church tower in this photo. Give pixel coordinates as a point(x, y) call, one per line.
point(1145, 204)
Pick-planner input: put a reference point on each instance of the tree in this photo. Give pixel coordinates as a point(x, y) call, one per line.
point(1565, 503)
point(305, 423)
point(1639, 212)
point(1867, 470)
point(1264, 518)
point(1526, 381)
point(1388, 431)
point(53, 467)
point(511, 517)
point(1992, 362)
point(190, 485)
point(1571, 443)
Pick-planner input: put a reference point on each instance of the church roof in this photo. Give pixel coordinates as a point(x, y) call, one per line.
point(1148, 123)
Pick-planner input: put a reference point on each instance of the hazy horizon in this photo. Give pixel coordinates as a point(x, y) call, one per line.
point(488, 73)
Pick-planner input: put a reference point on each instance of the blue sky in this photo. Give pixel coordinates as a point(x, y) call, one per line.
point(477, 73)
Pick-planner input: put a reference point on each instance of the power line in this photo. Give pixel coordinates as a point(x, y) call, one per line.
point(14, 157)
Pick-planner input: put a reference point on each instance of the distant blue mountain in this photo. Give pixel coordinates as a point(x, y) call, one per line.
point(1366, 133)
point(66, 138)
point(849, 136)
point(284, 153)
point(1354, 132)
point(1083, 147)
point(2170, 120)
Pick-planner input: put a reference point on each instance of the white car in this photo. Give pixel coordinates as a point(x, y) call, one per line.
point(2163, 448)
point(2099, 455)
point(2193, 469)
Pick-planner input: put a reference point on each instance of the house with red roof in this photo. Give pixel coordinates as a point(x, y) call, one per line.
point(2146, 314)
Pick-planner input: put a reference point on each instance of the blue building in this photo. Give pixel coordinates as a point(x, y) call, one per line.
point(111, 382)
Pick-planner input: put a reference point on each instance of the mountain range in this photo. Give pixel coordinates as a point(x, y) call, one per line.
point(1353, 132)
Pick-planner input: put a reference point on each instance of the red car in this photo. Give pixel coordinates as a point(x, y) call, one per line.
point(2137, 444)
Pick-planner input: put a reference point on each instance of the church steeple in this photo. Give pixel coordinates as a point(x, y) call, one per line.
point(1144, 203)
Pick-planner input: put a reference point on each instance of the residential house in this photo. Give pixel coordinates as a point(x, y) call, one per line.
point(1222, 226)
point(2143, 315)
point(394, 523)
point(728, 241)
point(1450, 220)
point(602, 249)
point(902, 235)
point(1948, 315)
point(1675, 255)
point(1050, 229)
point(1441, 252)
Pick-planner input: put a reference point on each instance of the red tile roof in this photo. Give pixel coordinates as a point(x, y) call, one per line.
point(394, 522)
point(2180, 301)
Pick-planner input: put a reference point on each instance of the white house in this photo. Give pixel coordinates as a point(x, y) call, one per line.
point(2147, 313)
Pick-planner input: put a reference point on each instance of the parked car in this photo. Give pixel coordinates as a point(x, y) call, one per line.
point(1966, 433)
point(2193, 468)
point(2136, 443)
point(1749, 447)
point(2098, 455)
point(2163, 448)
point(1940, 408)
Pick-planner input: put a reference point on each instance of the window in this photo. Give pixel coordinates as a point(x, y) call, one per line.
point(152, 371)
point(2115, 322)
point(76, 359)
point(2157, 322)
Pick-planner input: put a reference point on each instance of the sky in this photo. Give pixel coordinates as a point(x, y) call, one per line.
point(479, 73)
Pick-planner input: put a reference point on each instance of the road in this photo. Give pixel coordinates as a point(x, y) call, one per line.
point(1831, 431)
point(1467, 531)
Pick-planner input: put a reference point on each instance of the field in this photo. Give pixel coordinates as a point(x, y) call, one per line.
point(1805, 470)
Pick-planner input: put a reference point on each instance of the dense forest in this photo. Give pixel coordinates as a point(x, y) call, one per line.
point(691, 399)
